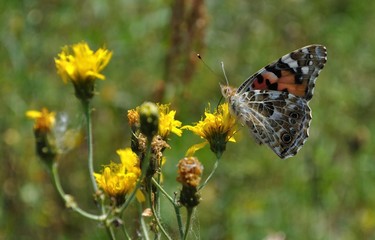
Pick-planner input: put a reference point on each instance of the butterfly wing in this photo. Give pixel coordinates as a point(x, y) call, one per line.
point(277, 119)
point(294, 73)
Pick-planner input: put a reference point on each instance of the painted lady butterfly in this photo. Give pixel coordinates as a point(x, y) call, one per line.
point(273, 102)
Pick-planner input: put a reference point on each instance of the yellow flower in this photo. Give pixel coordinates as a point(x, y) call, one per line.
point(45, 140)
point(80, 63)
point(82, 66)
point(217, 128)
point(44, 120)
point(118, 179)
point(167, 122)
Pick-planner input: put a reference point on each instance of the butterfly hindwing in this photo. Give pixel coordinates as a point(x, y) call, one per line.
point(277, 119)
point(295, 73)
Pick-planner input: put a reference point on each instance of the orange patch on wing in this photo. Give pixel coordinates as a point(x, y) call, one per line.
point(295, 89)
point(287, 81)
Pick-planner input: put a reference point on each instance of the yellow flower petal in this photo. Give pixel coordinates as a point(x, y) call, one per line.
point(44, 120)
point(167, 122)
point(191, 151)
point(140, 196)
point(80, 63)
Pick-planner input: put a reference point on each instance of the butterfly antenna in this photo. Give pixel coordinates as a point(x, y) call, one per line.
point(225, 75)
point(222, 66)
point(205, 64)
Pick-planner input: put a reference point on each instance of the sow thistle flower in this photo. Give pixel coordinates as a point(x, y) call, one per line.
point(82, 66)
point(152, 122)
point(118, 179)
point(217, 128)
point(43, 131)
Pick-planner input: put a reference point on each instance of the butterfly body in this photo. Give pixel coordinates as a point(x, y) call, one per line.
point(273, 103)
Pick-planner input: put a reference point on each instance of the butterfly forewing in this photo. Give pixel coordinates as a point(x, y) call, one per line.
point(295, 73)
point(273, 102)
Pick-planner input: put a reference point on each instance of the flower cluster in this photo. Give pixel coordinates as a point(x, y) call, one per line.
point(139, 172)
point(152, 122)
point(118, 179)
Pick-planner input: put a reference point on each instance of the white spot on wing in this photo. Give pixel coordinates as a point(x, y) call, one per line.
point(305, 70)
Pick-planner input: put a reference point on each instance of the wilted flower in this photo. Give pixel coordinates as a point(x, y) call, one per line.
point(189, 171)
point(189, 175)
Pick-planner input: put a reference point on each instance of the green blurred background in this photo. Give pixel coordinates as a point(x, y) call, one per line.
point(325, 192)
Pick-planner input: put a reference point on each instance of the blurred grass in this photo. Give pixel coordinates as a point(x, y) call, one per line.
point(325, 192)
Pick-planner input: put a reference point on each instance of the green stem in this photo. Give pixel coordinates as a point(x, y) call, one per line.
point(110, 232)
point(143, 224)
point(69, 201)
point(211, 174)
point(179, 221)
point(175, 205)
point(157, 193)
point(87, 110)
point(155, 213)
point(188, 221)
point(125, 232)
point(162, 190)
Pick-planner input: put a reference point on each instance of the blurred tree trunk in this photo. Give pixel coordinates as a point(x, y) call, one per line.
point(187, 30)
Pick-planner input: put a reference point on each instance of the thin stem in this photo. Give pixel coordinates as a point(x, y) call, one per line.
point(156, 217)
point(110, 232)
point(143, 224)
point(163, 191)
point(126, 232)
point(175, 205)
point(179, 221)
point(211, 174)
point(157, 193)
point(87, 110)
point(69, 201)
point(188, 221)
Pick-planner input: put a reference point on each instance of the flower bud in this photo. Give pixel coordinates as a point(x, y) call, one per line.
point(149, 119)
point(45, 146)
